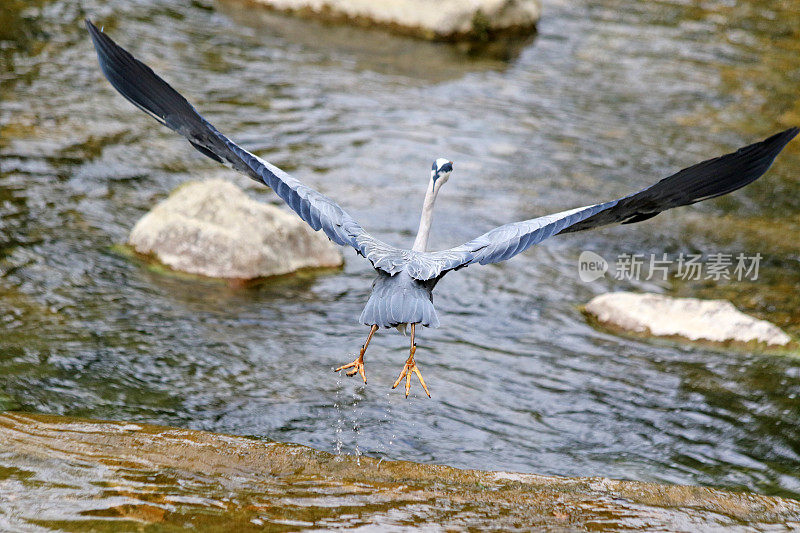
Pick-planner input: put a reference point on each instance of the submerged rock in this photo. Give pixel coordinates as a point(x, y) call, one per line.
point(73, 474)
point(214, 229)
point(431, 19)
point(690, 318)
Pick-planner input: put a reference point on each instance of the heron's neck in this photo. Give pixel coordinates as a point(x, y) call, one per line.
point(421, 243)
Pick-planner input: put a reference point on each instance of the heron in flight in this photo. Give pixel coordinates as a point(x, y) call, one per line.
point(402, 291)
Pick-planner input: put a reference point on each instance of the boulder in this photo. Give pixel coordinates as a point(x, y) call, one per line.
point(431, 19)
point(691, 318)
point(214, 229)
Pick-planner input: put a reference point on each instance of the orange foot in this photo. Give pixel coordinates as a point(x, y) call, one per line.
point(411, 368)
point(358, 364)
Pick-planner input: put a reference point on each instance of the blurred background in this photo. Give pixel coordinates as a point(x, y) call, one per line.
point(609, 97)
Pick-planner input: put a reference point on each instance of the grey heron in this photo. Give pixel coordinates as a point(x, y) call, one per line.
point(402, 294)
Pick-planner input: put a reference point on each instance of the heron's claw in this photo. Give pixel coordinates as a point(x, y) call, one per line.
point(411, 368)
point(357, 366)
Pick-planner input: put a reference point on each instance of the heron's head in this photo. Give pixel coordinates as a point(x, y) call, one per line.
point(440, 171)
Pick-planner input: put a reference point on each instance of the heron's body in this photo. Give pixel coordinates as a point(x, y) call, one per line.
point(402, 292)
point(399, 300)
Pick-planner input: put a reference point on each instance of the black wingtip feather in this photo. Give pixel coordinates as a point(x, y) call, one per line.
point(703, 181)
point(137, 82)
point(149, 92)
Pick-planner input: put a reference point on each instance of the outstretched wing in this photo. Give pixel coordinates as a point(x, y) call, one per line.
point(705, 180)
point(146, 90)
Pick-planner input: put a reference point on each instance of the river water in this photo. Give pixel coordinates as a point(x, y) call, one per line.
point(610, 96)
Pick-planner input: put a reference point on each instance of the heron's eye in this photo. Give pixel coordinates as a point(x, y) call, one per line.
point(433, 166)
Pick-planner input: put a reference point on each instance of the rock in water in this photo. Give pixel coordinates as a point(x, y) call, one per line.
point(431, 19)
point(694, 319)
point(214, 229)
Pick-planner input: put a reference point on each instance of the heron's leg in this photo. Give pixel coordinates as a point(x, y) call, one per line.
point(358, 364)
point(411, 367)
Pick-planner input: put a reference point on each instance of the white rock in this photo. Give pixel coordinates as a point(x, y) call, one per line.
point(694, 319)
point(431, 18)
point(214, 229)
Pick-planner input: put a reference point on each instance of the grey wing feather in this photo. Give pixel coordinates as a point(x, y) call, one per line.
point(499, 244)
point(702, 181)
point(145, 89)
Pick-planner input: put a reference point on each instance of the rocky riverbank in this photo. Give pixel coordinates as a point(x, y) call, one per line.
point(86, 475)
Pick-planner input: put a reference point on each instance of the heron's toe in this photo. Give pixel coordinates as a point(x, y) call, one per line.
point(411, 368)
